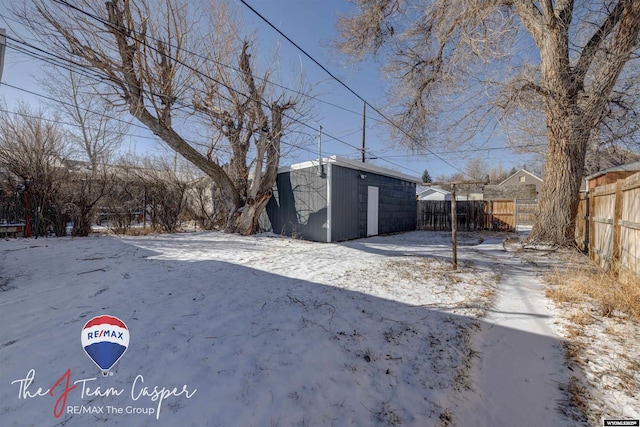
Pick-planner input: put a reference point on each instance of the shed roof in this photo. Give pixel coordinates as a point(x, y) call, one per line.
point(352, 164)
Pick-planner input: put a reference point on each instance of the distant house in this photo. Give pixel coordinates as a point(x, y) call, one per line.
point(440, 194)
point(611, 175)
point(339, 199)
point(434, 193)
point(523, 177)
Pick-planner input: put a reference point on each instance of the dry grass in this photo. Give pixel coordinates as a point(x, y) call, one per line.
point(600, 322)
point(573, 350)
point(580, 281)
point(578, 395)
point(581, 317)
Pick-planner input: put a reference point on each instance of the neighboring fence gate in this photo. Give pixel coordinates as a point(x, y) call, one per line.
point(525, 213)
point(499, 215)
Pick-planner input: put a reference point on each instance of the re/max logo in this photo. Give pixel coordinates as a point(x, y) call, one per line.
point(103, 333)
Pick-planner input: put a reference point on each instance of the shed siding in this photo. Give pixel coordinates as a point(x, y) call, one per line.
point(344, 204)
point(397, 204)
point(298, 206)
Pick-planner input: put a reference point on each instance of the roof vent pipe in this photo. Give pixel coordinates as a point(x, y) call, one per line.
point(320, 168)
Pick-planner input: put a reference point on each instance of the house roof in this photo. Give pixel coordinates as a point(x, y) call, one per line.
point(635, 166)
point(352, 164)
point(431, 190)
point(521, 170)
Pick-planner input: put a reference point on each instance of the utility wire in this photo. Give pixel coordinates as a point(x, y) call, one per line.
point(391, 122)
point(218, 149)
point(110, 25)
point(47, 57)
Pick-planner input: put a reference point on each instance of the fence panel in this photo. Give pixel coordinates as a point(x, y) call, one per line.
point(582, 223)
point(614, 226)
point(500, 215)
point(435, 215)
point(630, 226)
point(601, 220)
point(525, 213)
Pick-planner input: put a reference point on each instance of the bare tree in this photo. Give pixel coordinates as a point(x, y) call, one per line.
point(202, 203)
point(83, 193)
point(165, 193)
point(95, 133)
point(126, 197)
point(155, 60)
point(581, 73)
point(32, 148)
point(96, 130)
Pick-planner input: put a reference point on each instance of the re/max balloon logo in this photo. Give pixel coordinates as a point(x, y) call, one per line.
point(105, 339)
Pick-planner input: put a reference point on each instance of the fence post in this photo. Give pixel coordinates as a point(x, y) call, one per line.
point(617, 217)
point(587, 225)
point(454, 227)
point(592, 231)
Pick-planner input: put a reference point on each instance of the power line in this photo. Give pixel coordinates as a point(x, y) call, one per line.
point(218, 149)
point(391, 122)
point(474, 150)
point(109, 24)
point(59, 61)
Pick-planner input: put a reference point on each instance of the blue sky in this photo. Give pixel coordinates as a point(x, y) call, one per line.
point(311, 24)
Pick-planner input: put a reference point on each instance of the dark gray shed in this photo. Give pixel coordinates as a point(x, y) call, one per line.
point(340, 199)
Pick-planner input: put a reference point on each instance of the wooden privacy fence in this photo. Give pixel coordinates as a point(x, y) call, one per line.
point(613, 225)
point(435, 215)
point(500, 215)
point(503, 215)
point(582, 223)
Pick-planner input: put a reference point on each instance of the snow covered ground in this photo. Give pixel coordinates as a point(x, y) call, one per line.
point(257, 330)
point(603, 349)
point(521, 358)
point(254, 331)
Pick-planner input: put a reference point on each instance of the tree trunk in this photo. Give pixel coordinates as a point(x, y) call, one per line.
point(246, 222)
point(555, 222)
point(568, 135)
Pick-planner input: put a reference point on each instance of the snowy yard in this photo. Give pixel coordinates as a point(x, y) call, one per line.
point(262, 330)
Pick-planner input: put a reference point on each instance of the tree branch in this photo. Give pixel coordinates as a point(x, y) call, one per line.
point(531, 18)
point(590, 49)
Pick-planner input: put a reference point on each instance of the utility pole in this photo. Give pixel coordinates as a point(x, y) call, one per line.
point(3, 44)
point(320, 167)
point(364, 125)
point(454, 226)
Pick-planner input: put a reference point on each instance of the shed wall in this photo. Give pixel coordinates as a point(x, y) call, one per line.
point(345, 215)
point(397, 210)
point(298, 206)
